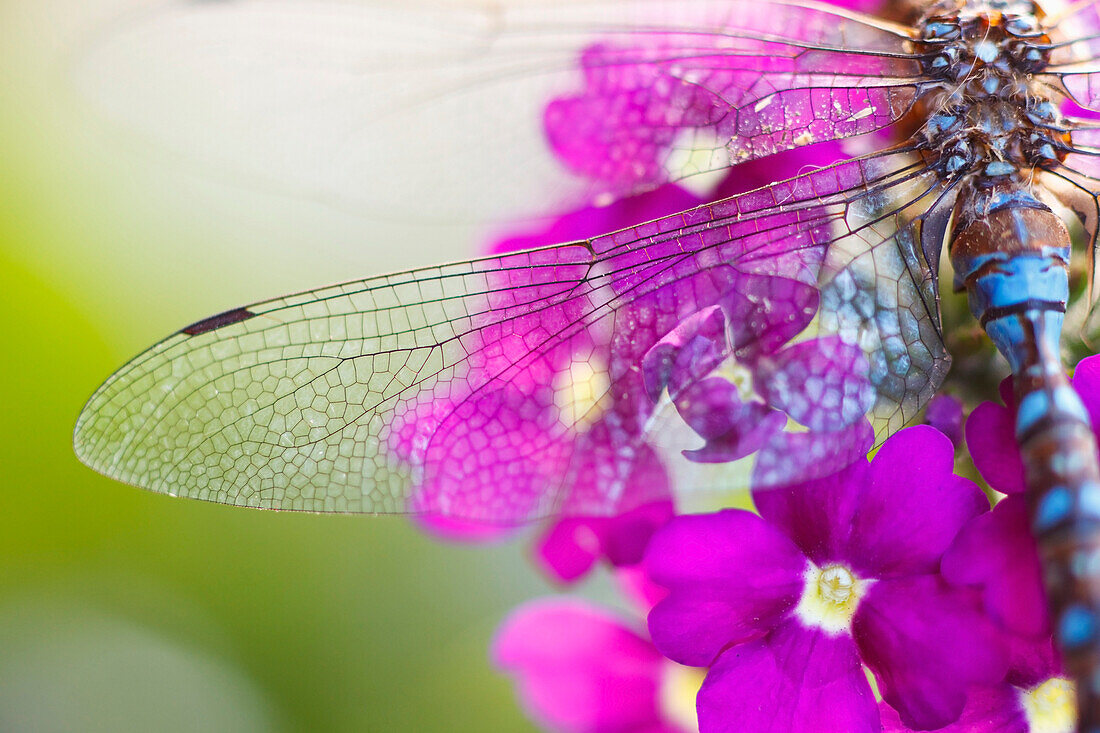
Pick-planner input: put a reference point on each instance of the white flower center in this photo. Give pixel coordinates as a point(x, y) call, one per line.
point(679, 688)
point(1051, 707)
point(830, 598)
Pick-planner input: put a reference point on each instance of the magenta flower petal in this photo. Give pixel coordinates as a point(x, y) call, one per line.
point(592, 221)
point(602, 456)
point(998, 708)
point(581, 669)
point(626, 536)
point(635, 584)
point(589, 132)
point(817, 514)
point(927, 643)
point(913, 506)
point(796, 680)
point(997, 553)
point(687, 353)
point(639, 100)
point(572, 546)
point(1032, 660)
point(1086, 380)
point(790, 457)
point(461, 478)
point(990, 430)
point(945, 413)
point(989, 709)
point(991, 438)
point(453, 529)
point(756, 330)
point(731, 428)
point(731, 577)
point(896, 515)
point(863, 6)
point(821, 383)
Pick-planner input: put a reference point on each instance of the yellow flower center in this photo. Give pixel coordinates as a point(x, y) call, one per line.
point(1051, 707)
point(830, 598)
point(740, 377)
point(679, 688)
point(578, 391)
point(835, 584)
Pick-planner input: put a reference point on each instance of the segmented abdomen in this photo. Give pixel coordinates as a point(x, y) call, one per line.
point(1012, 253)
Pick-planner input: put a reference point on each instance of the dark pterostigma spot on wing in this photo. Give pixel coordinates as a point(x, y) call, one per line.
point(220, 320)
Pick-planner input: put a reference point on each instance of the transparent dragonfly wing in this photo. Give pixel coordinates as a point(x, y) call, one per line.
point(1075, 52)
point(476, 113)
point(555, 381)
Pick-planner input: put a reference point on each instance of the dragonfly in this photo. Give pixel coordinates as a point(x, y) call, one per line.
point(754, 341)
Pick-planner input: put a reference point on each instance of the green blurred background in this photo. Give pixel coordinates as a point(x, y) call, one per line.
point(124, 610)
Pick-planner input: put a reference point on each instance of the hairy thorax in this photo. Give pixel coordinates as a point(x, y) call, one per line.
point(986, 115)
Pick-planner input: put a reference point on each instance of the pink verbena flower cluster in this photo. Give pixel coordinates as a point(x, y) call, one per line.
point(886, 596)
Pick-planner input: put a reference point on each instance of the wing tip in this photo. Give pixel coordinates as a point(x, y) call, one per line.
point(86, 440)
point(91, 437)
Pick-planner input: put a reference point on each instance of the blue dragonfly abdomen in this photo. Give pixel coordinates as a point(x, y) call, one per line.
point(1011, 254)
point(1013, 262)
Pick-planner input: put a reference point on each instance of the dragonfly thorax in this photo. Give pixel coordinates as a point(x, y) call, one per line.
point(986, 115)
